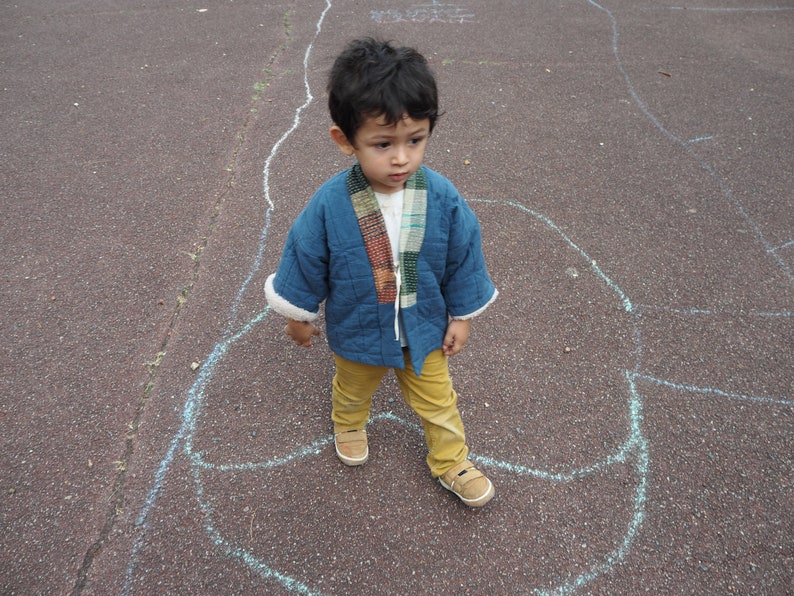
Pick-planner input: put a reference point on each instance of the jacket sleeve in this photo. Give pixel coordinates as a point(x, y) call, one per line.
point(467, 287)
point(300, 284)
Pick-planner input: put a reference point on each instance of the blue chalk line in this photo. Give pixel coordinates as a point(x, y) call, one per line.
point(726, 191)
point(783, 314)
point(718, 392)
point(732, 8)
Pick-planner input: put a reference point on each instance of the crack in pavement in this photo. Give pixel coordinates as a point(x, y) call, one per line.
point(117, 495)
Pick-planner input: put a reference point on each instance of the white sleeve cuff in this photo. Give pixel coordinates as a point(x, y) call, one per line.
point(284, 307)
point(479, 310)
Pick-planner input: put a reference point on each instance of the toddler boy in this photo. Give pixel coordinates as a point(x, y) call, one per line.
point(395, 253)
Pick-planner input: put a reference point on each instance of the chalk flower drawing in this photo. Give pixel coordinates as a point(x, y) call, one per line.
point(433, 12)
point(632, 452)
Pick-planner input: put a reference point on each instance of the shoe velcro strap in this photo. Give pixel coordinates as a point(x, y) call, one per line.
point(465, 476)
point(351, 436)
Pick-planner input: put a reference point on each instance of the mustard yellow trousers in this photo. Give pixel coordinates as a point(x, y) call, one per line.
point(430, 395)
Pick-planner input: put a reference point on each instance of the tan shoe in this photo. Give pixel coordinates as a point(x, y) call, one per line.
point(471, 485)
point(351, 447)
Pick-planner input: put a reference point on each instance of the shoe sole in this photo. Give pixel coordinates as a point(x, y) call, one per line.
point(479, 501)
point(349, 461)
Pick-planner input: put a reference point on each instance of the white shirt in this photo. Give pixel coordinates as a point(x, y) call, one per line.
point(391, 206)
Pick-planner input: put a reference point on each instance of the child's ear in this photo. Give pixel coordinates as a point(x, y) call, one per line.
point(340, 139)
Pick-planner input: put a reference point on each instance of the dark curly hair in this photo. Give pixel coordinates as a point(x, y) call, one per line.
point(372, 78)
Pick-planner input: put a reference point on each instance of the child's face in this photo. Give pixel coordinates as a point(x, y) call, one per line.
point(388, 154)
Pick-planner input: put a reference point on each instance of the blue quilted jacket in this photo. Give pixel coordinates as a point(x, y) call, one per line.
point(324, 259)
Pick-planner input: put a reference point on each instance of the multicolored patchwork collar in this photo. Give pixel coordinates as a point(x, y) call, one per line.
point(391, 279)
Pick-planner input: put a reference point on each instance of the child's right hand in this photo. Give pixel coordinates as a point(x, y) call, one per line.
point(301, 332)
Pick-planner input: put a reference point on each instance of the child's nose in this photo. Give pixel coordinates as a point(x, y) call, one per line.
point(400, 155)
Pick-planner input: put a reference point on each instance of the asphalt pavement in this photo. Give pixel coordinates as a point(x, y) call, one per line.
point(630, 393)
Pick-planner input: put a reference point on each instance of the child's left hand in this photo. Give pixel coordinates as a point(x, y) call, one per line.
point(456, 337)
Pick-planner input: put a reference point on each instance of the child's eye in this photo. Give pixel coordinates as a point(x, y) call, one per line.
point(384, 145)
point(416, 141)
